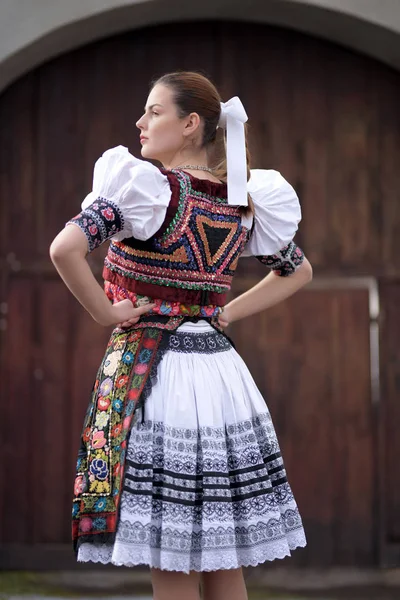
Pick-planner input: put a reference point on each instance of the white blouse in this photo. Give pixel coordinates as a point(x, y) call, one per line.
point(277, 213)
point(142, 193)
point(137, 187)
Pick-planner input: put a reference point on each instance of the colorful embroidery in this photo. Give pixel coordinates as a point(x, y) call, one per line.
point(286, 261)
point(99, 221)
point(198, 250)
point(210, 342)
point(117, 293)
point(180, 220)
point(117, 393)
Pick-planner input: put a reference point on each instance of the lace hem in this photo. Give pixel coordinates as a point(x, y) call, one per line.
point(123, 555)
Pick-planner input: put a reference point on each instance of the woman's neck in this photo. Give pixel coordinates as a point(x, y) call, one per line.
point(186, 158)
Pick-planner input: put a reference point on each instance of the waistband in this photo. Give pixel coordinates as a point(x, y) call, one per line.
point(116, 293)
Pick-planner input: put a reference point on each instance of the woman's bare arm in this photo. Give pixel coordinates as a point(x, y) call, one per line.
point(68, 253)
point(269, 291)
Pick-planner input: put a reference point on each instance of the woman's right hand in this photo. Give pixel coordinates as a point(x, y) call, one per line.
point(123, 314)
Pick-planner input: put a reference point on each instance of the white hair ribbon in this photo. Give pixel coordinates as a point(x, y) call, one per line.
point(233, 116)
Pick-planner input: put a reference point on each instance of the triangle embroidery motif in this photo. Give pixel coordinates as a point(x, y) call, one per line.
point(216, 237)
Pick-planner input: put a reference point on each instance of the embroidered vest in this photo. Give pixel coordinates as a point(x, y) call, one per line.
point(193, 257)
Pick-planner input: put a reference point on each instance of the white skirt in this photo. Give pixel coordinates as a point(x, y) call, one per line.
point(205, 486)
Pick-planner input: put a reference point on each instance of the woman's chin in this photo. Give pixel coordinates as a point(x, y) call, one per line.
point(146, 152)
point(149, 155)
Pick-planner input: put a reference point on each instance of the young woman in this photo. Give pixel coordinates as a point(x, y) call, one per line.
point(179, 466)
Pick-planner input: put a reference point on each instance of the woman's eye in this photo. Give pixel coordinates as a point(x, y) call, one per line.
point(154, 112)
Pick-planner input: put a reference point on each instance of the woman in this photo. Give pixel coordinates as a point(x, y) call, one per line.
point(179, 466)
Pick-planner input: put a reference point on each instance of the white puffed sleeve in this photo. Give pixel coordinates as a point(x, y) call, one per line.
point(277, 213)
point(129, 198)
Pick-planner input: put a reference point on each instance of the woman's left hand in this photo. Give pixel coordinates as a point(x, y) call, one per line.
point(223, 318)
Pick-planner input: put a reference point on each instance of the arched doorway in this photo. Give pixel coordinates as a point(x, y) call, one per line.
point(328, 120)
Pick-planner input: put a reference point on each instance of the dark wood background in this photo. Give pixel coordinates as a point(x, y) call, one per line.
point(328, 119)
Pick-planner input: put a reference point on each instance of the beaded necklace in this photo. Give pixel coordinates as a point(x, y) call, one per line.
point(195, 168)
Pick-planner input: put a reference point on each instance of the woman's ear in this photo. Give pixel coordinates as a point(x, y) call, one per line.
point(193, 122)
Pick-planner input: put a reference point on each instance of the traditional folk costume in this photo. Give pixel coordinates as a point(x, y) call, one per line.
point(179, 466)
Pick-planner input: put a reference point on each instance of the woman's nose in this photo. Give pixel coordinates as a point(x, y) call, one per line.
point(139, 123)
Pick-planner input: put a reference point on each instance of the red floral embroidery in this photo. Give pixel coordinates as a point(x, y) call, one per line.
point(99, 221)
point(121, 381)
point(103, 403)
point(86, 434)
point(133, 337)
point(116, 430)
point(108, 214)
point(149, 343)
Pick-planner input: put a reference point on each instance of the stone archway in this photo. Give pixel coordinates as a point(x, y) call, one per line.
point(30, 37)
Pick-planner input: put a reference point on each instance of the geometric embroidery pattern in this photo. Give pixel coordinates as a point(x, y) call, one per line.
point(198, 251)
point(286, 261)
point(201, 343)
point(215, 237)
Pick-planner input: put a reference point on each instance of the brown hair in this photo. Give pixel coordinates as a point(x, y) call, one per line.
point(194, 92)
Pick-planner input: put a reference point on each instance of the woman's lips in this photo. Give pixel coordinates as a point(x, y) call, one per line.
point(143, 139)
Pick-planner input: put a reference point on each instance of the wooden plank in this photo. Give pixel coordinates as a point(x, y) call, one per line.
point(353, 427)
point(17, 170)
point(389, 180)
point(390, 361)
point(311, 123)
point(353, 236)
point(18, 405)
point(60, 182)
point(4, 235)
point(17, 214)
point(50, 420)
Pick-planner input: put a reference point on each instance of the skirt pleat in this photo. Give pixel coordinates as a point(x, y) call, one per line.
point(205, 485)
